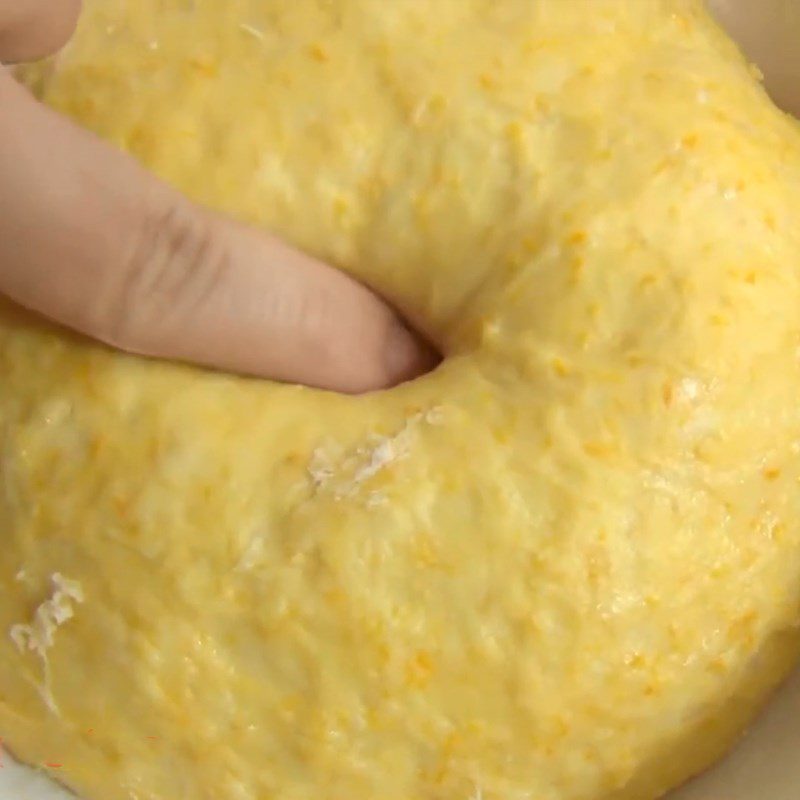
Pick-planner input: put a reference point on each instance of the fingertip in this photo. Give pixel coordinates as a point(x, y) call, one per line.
point(406, 355)
point(35, 30)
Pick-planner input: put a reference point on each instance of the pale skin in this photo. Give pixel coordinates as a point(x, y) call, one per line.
point(91, 240)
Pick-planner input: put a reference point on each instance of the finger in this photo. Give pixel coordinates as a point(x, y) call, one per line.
point(768, 32)
point(31, 29)
point(93, 241)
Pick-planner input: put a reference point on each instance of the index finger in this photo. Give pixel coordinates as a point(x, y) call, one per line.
point(31, 29)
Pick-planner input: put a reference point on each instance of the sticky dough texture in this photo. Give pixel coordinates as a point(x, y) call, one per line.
point(564, 566)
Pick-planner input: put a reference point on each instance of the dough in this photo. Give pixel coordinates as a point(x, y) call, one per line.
point(563, 566)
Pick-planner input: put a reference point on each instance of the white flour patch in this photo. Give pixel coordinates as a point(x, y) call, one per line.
point(252, 555)
point(253, 31)
point(38, 636)
point(344, 474)
point(689, 389)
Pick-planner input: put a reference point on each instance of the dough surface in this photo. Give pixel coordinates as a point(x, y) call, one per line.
point(563, 566)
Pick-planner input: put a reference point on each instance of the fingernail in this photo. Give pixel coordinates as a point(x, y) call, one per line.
point(407, 355)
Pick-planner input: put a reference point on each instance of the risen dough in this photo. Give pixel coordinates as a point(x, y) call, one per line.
point(566, 565)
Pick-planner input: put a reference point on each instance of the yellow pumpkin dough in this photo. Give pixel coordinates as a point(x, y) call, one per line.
point(563, 566)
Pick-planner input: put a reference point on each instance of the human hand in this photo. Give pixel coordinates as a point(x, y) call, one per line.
point(91, 240)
